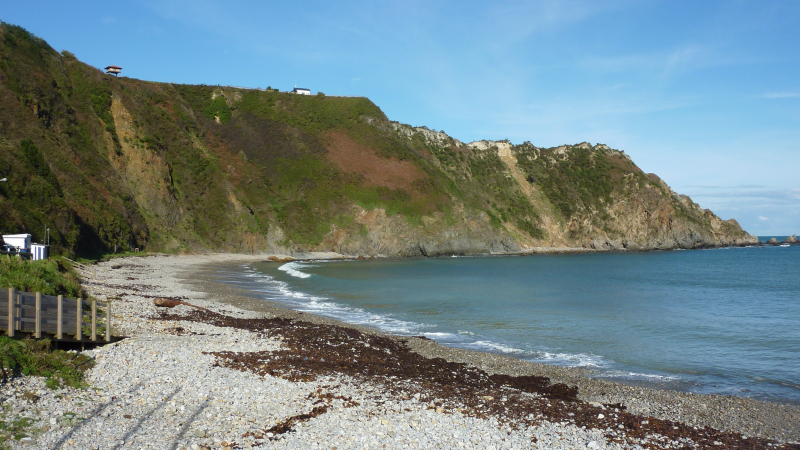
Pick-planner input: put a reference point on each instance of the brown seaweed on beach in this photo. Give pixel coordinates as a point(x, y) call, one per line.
point(312, 350)
point(288, 424)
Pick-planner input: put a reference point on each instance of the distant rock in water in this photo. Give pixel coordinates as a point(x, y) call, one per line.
point(791, 239)
point(773, 241)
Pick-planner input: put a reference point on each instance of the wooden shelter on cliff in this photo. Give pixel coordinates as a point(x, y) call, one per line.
point(113, 70)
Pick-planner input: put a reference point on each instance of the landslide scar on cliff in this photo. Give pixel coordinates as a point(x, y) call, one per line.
point(353, 157)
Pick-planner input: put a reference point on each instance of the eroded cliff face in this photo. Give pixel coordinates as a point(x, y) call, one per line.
point(639, 212)
point(655, 217)
point(636, 211)
point(464, 233)
point(116, 163)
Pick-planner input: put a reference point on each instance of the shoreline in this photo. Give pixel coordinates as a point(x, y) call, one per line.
point(642, 399)
point(682, 386)
point(232, 371)
point(528, 251)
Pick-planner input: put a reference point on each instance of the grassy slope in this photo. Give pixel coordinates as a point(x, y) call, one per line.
point(49, 130)
point(263, 161)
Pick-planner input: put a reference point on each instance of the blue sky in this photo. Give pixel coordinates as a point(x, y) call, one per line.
point(704, 94)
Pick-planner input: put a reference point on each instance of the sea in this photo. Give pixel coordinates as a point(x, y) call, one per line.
point(721, 321)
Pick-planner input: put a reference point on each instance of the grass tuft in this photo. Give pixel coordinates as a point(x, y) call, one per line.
point(34, 357)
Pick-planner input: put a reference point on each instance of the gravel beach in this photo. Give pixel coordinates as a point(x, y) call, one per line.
point(224, 370)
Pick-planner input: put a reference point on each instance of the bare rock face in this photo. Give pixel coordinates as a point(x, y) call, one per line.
point(392, 235)
point(773, 241)
point(652, 216)
point(791, 239)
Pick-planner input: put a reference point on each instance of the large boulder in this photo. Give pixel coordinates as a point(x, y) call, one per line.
point(167, 302)
point(791, 239)
point(773, 241)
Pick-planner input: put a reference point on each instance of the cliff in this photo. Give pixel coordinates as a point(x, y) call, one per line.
point(116, 163)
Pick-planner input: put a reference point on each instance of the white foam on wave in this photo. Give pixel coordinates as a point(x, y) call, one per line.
point(497, 347)
point(436, 334)
point(444, 338)
point(293, 269)
point(326, 307)
point(570, 359)
point(281, 291)
point(276, 290)
point(462, 338)
point(638, 376)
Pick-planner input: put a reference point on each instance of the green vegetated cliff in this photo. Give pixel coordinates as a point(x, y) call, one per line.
point(112, 163)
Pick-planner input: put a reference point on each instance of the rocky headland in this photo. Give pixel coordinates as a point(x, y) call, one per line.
point(223, 370)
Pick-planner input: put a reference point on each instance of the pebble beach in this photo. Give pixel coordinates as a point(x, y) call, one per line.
point(222, 370)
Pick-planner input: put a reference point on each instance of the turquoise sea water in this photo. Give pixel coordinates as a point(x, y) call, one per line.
point(708, 321)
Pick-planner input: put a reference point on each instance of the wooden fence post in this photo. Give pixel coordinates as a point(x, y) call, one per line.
point(10, 330)
point(37, 328)
point(94, 319)
point(18, 313)
point(108, 321)
point(79, 320)
point(59, 317)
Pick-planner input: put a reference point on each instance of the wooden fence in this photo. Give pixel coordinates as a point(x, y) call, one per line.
point(60, 317)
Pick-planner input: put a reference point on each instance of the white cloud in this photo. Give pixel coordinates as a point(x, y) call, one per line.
point(763, 219)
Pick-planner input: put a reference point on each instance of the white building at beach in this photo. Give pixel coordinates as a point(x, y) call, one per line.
point(21, 243)
point(17, 241)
